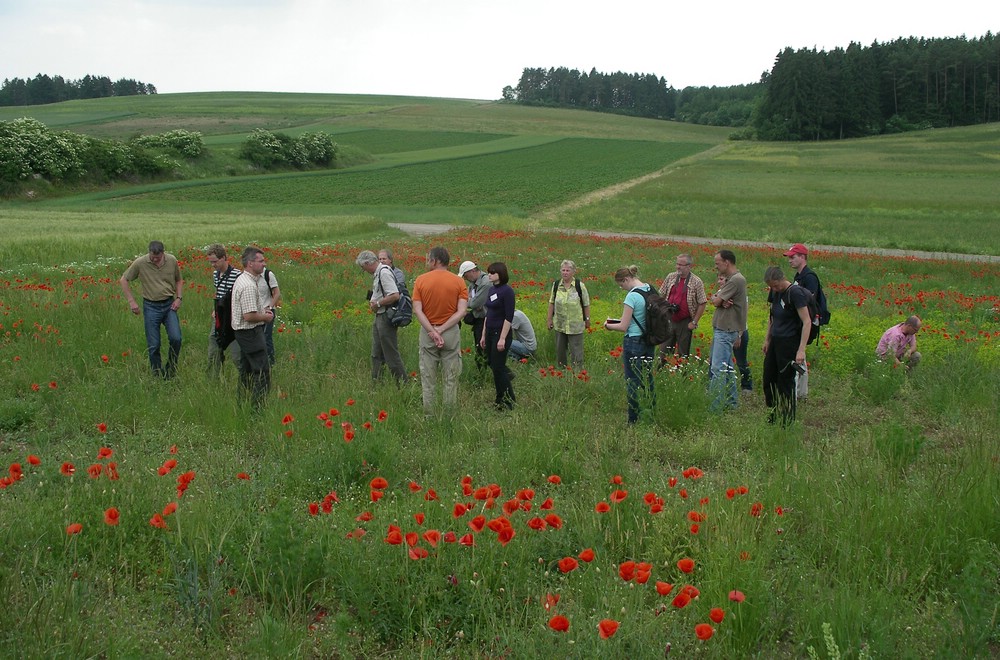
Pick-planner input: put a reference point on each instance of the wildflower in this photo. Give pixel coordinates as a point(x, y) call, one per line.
point(412, 538)
point(554, 521)
point(348, 435)
point(376, 495)
point(664, 588)
point(314, 508)
point(112, 470)
point(730, 493)
point(67, 469)
point(111, 516)
point(567, 564)
point(550, 601)
point(394, 536)
point(756, 509)
point(244, 476)
point(736, 596)
point(105, 358)
point(367, 426)
point(536, 523)
point(433, 537)
point(350, 402)
point(617, 480)
point(104, 452)
point(468, 540)
point(382, 415)
point(416, 553)
point(626, 570)
point(618, 496)
point(414, 487)
point(586, 555)
point(450, 537)
point(716, 614)
point(477, 524)
point(459, 510)
point(94, 471)
point(169, 509)
point(289, 433)
point(74, 528)
point(158, 521)
point(686, 565)
point(34, 460)
point(35, 387)
point(430, 495)
point(52, 385)
point(505, 535)
point(607, 628)
point(602, 507)
point(287, 419)
point(547, 504)
point(555, 479)
point(559, 623)
point(102, 427)
point(704, 631)
point(681, 600)
point(379, 483)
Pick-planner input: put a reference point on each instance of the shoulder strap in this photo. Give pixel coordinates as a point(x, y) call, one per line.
point(579, 293)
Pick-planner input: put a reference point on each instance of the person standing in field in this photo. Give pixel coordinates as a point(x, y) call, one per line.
point(497, 334)
point(798, 256)
point(223, 277)
point(788, 326)
point(569, 315)
point(899, 343)
point(385, 257)
point(162, 290)
point(479, 288)
point(728, 323)
point(273, 303)
point(686, 293)
point(385, 294)
point(440, 300)
point(249, 317)
point(637, 355)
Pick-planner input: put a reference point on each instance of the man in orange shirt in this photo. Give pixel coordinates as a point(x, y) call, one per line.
point(440, 299)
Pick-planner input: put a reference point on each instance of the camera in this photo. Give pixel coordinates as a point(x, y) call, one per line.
point(799, 369)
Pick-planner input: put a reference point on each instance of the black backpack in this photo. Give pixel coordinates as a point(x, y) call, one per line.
point(400, 314)
point(224, 333)
point(658, 314)
point(812, 304)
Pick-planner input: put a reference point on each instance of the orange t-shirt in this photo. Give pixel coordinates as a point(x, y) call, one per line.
point(439, 292)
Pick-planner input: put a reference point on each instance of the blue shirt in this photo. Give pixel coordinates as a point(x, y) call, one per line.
point(635, 300)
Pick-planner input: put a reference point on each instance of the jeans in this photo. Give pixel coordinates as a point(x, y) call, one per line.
point(722, 374)
point(746, 377)
point(385, 349)
point(447, 359)
point(637, 356)
point(519, 351)
point(155, 314)
point(501, 373)
point(255, 368)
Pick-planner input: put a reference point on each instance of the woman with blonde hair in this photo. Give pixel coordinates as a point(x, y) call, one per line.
point(637, 355)
point(569, 315)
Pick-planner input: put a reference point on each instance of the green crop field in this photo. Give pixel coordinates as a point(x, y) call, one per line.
point(150, 518)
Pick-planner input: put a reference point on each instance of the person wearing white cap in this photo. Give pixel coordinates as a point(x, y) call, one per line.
point(479, 286)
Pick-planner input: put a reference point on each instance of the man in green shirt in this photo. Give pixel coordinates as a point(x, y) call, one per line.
point(162, 289)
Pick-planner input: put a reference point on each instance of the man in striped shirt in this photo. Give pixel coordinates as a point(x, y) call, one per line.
point(223, 277)
point(249, 315)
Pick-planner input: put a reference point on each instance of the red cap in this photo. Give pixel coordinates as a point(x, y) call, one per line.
point(798, 248)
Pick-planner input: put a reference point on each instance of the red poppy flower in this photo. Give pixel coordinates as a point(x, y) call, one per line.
point(94, 471)
point(376, 495)
point(554, 521)
point(550, 601)
point(412, 538)
point(691, 591)
point(52, 385)
point(737, 596)
point(618, 496)
point(779, 510)
point(694, 528)
point(169, 509)
point(602, 507)
point(450, 537)
point(432, 536)
point(547, 504)
point(586, 555)
point(105, 358)
point(67, 469)
point(314, 508)
point(696, 516)
point(704, 631)
point(16, 473)
point(617, 480)
point(35, 387)
point(356, 534)
point(607, 628)
point(289, 433)
point(686, 565)
point(536, 523)
point(756, 509)
point(481, 493)
point(104, 452)
point(683, 493)
point(287, 419)
point(717, 614)
point(158, 521)
point(111, 516)
point(74, 528)
point(334, 412)
point(417, 553)
point(656, 507)
point(394, 536)
point(170, 463)
point(467, 540)
point(34, 460)
point(664, 588)
point(567, 564)
point(505, 535)
point(244, 476)
point(163, 470)
point(672, 482)
point(112, 469)
point(730, 493)
point(430, 495)
point(681, 600)
point(379, 483)
point(350, 402)
point(458, 510)
point(348, 435)
point(367, 426)
point(744, 555)
point(555, 479)
point(414, 487)
point(382, 415)
point(742, 490)
point(477, 524)
point(626, 570)
point(559, 623)
point(102, 427)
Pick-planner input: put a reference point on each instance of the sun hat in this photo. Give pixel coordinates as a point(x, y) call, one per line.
point(465, 267)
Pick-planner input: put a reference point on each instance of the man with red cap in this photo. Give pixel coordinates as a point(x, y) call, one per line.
point(807, 278)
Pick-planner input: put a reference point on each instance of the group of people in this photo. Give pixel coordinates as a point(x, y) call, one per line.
point(443, 301)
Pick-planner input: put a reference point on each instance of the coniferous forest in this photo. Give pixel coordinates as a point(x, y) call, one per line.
point(44, 89)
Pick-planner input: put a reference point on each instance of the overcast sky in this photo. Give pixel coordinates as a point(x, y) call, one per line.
point(447, 48)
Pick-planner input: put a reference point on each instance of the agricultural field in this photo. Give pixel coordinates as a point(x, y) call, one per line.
point(142, 517)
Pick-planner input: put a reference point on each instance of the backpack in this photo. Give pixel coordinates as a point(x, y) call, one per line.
point(579, 292)
point(812, 304)
point(400, 314)
point(224, 333)
point(824, 311)
point(658, 315)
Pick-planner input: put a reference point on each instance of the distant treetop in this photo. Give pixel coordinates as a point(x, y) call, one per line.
point(43, 89)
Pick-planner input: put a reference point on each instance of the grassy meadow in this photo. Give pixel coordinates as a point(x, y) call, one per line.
point(340, 522)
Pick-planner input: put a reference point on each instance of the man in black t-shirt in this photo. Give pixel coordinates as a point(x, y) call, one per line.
point(805, 276)
point(784, 344)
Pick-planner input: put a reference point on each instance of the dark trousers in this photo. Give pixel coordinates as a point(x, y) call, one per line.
point(501, 373)
point(255, 367)
point(746, 377)
point(779, 379)
point(482, 354)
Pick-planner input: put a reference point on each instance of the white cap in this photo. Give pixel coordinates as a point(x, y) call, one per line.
point(465, 267)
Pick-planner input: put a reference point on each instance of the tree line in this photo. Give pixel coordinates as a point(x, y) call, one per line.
point(44, 89)
point(808, 94)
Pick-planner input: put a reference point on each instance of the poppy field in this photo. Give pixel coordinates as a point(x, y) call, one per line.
point(142, 517)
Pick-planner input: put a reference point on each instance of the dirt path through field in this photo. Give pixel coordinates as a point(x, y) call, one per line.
point(611, 191)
